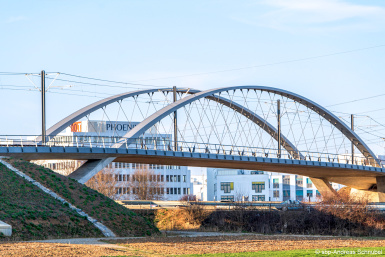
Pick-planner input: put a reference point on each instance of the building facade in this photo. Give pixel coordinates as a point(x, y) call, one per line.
point(248, 185)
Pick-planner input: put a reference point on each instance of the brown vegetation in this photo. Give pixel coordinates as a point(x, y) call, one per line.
point(190, 217)
point(146, 185)
point(339, 216)
point(104, 182)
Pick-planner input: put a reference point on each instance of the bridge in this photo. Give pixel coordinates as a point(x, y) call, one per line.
point(242, 127)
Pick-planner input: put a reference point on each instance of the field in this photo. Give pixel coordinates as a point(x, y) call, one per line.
point(219, 245)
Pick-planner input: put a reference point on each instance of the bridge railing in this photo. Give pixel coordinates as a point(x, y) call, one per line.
point(166, 144)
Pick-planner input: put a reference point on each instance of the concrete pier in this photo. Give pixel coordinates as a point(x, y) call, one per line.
point(5, 228)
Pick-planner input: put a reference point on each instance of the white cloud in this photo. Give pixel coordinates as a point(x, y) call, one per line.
point(15, 19)
point(317, 15)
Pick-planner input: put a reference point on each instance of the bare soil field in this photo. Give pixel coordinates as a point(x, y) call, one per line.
point(235, 244)
point(53, 249)
point(163, 246)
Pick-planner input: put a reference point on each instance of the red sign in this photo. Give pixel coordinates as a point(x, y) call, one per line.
point(76, 127)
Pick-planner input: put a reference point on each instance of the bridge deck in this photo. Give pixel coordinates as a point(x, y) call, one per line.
point(357, 176)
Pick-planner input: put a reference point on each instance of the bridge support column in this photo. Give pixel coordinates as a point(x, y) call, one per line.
point(89, 169)
point(324, 187)
point(381, 188)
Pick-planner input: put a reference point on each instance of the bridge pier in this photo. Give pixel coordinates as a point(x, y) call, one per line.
point(89, 169)
point(381, 188)
point(324, 187)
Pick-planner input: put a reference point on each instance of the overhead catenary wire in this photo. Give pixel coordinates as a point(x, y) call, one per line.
point(109, 81)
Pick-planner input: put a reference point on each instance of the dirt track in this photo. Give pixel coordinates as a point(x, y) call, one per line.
point(162, 246)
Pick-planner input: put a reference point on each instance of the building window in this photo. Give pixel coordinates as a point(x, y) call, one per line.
point(299, 195)
point(317, 193)
point(309, 193)
point(286, 179)
point(276, 193)
point(275, 183)
point(184, 191)
point(227, 198)
point(286, 194)
point(178, 190)
point(258, 186)
point(309, 183)
point(116, 177)
point(184, 178)
point(178, 178)
point(256, 172)
point(258, 198)
point(227, 186)
point(162, 178)
point(299, 181)
point(167, 178)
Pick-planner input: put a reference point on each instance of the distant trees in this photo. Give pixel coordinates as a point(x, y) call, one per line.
point(188, 198)
point(142, 184)
point(146, 185)
point(105, 183)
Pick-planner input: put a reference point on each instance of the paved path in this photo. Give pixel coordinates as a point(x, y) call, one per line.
point(99, 242)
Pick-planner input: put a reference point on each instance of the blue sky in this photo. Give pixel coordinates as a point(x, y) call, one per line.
point(164, 42)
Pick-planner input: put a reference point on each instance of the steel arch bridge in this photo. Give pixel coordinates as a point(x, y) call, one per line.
point(249, 127)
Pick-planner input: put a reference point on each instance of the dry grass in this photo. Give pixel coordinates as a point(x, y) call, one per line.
point(49, 249)
point(187, 218)
point(236, 244)
point(164, 246)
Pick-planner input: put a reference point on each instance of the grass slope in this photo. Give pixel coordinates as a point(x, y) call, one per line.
point(119, 219)
point(33, 215)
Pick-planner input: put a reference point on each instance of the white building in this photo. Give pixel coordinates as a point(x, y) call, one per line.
point(199, 187)
point(237, 185)
point(175, 180)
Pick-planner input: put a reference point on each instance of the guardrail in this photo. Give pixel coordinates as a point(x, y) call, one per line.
point(166, 144)
point(371, 206)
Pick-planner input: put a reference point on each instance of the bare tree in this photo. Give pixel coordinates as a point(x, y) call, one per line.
point(105, 183)
point(146, 185)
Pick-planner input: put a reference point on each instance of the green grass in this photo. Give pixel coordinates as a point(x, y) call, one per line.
point(299, 253)
point(122, 221)
point(33, 215)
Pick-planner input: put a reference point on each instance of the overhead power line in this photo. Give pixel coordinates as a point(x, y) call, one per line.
point(357, 100)
point(109, 81)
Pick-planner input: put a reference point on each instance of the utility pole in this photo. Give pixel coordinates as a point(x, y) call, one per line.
point(352, 127)
point(175, 123)
point(279, 127)
point(43, 132)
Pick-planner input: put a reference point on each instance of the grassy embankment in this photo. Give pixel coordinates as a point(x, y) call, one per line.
point(33, 214)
